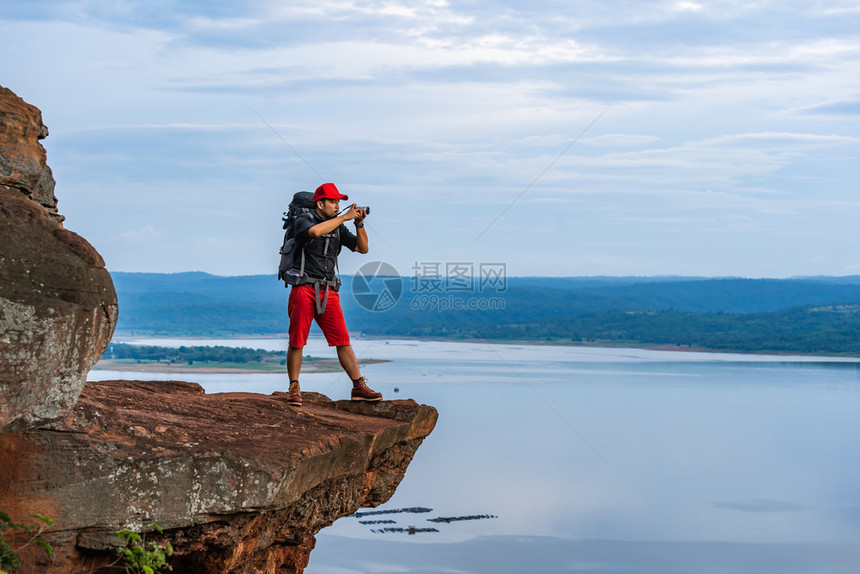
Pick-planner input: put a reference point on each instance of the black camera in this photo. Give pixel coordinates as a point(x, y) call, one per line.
point(366, 209)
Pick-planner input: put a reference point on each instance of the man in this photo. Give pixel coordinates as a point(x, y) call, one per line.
point(320, 235)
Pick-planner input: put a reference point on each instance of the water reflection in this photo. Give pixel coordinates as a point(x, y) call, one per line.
point(412, 510)
point(377, 522)
point(411, 529)
point(450, 519)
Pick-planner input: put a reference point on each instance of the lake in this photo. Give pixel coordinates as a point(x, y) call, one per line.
point(576, 459)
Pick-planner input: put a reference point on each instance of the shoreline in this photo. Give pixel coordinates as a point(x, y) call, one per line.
point(626, 345)
point(309, 365)
point(539, 343)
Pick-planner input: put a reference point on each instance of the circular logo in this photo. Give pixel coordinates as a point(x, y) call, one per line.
point(377, 286)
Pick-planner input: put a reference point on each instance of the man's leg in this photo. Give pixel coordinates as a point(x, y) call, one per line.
point(301, 311)
point(294, 367)
point(360, 390)
point(334, 328)
point(294, 362)
point(348, 361)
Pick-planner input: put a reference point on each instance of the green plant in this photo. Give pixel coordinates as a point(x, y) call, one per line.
point(8, 555)
point(140, 558)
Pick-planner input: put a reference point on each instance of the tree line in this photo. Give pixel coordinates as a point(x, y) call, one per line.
point(190, 355)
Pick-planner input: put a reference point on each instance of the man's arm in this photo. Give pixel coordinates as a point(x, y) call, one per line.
point(361, 239)
point(328, 225)
point(356, 241)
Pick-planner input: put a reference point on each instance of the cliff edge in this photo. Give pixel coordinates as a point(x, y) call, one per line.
point(239, 482)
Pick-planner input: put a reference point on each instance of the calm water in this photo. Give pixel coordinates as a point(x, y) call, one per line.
point(602, 460)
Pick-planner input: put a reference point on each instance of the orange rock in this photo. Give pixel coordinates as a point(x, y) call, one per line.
point(236, 484)
point(58, 307)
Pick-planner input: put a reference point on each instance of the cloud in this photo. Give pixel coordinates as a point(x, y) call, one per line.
point(689, 7)
point(848, 107)
point(762, 505)
point(209, 23)
point(847, 8)
point(143, 235)
point(621, 140)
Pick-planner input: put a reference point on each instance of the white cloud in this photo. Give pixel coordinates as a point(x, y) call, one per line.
point(841, 8)
point(689, 7)
point(621, 140)
point(144, 234)
point(208, 23)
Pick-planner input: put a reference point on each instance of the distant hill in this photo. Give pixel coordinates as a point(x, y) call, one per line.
point(214, 287)
point(720, 313)
point(730, 295)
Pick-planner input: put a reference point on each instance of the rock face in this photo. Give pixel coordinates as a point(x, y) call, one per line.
point(22, 157)
point(58, 307)
point(239, 482)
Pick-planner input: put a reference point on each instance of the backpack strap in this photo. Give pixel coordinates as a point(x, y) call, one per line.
point(302, 267)
point(328, 284)
point(321, 305)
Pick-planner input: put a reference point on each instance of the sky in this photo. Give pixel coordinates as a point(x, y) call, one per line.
point(559, 138)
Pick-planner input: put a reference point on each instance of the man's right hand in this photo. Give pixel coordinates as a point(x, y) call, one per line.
point(355, 212)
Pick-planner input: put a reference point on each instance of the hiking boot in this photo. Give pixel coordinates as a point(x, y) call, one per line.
point(361, 392)
point(295, 396)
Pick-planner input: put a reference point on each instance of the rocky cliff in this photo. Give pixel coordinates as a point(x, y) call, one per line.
point(58, 307)
point(239, 483)
point(22, 158)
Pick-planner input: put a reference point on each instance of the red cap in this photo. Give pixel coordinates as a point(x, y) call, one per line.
point(328, 191)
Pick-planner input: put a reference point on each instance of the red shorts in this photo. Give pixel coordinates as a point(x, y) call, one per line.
point(302, 309)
